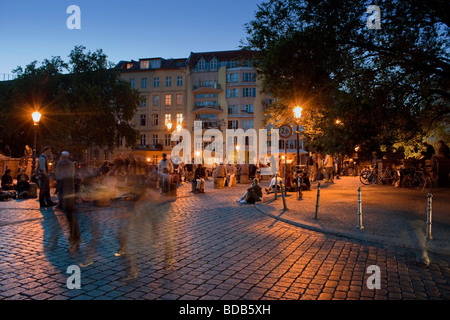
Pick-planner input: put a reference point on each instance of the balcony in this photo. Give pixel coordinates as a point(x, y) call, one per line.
point(207, 110)
point(207, 87)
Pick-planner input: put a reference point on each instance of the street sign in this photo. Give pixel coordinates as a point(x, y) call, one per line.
point(285, 131)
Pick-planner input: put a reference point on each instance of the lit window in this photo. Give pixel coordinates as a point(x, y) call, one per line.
point(167, 118)
point(168, 100)
point(179, 118)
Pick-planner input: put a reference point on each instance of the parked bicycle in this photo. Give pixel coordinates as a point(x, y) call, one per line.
point(418, 179)
point(370, 176)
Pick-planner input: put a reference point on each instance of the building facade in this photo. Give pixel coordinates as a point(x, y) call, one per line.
point(216, 90)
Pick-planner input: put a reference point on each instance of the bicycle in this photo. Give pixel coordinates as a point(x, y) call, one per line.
point(371, 176)
point(418, 179)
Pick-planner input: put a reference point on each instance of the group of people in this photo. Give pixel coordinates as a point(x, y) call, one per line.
point(429, 153)
point(325, 166)
point(9, 189)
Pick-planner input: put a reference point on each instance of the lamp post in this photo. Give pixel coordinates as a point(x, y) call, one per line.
point(297, 115)
point(36, 118)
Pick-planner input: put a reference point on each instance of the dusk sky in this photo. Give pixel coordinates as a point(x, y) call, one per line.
point(125, 30)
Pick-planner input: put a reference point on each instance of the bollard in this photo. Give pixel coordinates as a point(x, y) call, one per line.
point(429, 214)
point(317, 203)
point(360, 225)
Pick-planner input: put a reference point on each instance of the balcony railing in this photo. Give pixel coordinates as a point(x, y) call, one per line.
point(213, 85)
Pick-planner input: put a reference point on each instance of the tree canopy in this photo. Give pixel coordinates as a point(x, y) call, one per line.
point(83, 103)
point(380, 88)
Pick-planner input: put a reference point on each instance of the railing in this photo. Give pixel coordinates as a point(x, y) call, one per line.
point(214, 85)
point(7, 77)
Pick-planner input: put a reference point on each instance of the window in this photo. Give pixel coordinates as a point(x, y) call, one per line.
point(201, 65)
point(232, 93)
point(143, 120)
point(167, 140)
point(249, 92)
point(248, 77)
point(143, 140)
point(179, 81)
point(168, 100)
point(144, 64)
point(167, 118)
point(155, 119)
point(233, 124)
point(144, 103)
point(247, 108)
point(232, 77)
point(232, 109)
point(168, 81)
point(144, 83)
point(154, 139)
point(179, 118)
point(155, 101)
point(132, 83)
point(213, 64)
point(156, 82)
point(179, 99)
point(247, 124)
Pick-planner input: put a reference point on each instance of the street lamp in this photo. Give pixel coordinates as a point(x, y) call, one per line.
point(36, 116)
point(297, 115)
point(169, 125)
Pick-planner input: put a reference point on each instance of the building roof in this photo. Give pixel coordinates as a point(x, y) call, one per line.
point(194, 57)
point(133, 65)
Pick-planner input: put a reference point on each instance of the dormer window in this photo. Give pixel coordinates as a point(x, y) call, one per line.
point(213, 64)
point(201, 66)
point(144, 64)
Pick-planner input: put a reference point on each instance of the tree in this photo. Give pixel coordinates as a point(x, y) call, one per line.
point(84, 102)
point(387, 86)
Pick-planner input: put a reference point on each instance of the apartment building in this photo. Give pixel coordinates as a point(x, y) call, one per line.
point(162, 84)
point(220, 89)
point(224, 93)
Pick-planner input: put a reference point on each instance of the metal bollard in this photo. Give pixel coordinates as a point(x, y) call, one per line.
point(429, 216)
point(317, 203)
point(360, 225)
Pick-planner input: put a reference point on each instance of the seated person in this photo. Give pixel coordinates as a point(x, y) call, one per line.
point(276, 182)
point(7, 181)
point(305, 183)
point(198, 184)
point(21, 173)
point(253, 194)
point(23, 187)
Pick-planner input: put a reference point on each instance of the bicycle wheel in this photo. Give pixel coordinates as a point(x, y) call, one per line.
point(427, 183)
point(415, 182)
point(366, 177)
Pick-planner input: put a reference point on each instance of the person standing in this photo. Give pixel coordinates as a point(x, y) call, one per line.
point(65, 182)
point(328, 164)
point(44, 192)
point(165, 164)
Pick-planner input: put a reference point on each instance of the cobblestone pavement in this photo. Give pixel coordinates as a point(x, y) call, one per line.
point(203, 246)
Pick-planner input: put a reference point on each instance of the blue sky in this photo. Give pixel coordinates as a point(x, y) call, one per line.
point(125, 30)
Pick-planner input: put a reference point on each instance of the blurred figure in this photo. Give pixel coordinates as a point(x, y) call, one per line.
point(45, 199)
point(65, 182)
